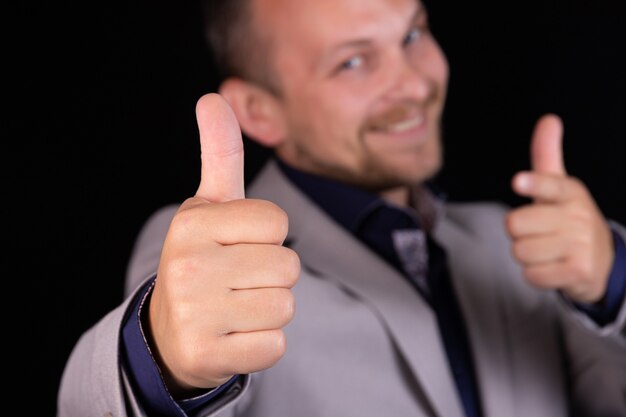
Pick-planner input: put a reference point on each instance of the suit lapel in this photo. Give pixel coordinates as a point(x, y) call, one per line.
point(477, 278)
point(326, 248)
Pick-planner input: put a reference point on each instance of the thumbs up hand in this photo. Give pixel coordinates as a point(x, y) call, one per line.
point(561, 239)
point(222, 293)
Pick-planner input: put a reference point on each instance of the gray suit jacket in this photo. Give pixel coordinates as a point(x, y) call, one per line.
point(364, 343)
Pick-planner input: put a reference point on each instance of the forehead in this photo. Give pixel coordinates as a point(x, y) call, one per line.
point(324, 23)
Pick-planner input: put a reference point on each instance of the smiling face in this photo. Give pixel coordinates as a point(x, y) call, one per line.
point(362, 88)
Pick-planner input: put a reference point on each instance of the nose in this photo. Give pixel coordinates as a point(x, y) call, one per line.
point(409, 80)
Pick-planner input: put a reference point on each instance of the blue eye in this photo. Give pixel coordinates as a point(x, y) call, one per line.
point(352, 63)
point(413, 35)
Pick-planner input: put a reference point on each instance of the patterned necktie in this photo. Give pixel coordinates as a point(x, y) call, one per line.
point(425, 263)
point(411, 247)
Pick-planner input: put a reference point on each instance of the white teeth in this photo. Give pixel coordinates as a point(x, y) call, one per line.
point(405, 125)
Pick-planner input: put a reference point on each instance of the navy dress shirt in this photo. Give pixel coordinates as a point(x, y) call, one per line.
point(144, 374)
point(372, 220)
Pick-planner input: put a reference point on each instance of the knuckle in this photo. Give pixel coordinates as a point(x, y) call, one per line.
point(183, 222)
point(278, 344)
point(580, 269)
point(517, 250)
point(287, 306)
point(279, 303)
point(279, 214)
point(534, 277)
point(292, 267)
point(187, 204)
point(265, 352)
point(273, 218)
point(279, 220)
point(510, 222)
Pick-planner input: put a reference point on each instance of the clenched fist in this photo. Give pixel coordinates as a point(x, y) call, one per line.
point(223, 288)
point(562, 240)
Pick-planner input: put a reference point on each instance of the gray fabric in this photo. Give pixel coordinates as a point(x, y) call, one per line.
point(364, 343)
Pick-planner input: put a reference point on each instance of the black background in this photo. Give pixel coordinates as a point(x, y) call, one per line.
point(102, 133)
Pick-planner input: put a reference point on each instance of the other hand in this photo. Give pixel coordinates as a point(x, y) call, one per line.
point(561, 239)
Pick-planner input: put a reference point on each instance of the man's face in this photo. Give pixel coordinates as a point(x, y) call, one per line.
point(363, 85)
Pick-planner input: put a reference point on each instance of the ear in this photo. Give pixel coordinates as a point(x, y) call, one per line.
point(259, 112)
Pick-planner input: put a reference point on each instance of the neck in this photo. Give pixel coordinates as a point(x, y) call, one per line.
point(398, 196)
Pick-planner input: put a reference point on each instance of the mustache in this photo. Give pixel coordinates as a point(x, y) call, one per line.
point(399, 112)
point(391, 116)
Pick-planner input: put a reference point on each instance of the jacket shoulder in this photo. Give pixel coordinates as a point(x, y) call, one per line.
point(146, 252)
point(484, 218)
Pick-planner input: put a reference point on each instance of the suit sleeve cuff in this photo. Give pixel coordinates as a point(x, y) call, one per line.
point(607, 310)
point(144, 374)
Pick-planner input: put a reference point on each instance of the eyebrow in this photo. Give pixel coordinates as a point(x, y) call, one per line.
point(356, 43)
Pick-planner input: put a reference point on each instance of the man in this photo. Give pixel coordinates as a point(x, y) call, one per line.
point(406, 305)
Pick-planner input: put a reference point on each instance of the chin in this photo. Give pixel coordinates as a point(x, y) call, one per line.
point(417, 170)
point(385, 178)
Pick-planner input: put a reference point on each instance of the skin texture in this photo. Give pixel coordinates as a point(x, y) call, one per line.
point(561, 239)
point(343, 84)
point(362, 88)
point(224, 280)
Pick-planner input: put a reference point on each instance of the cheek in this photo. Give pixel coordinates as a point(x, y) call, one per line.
point(337, 113)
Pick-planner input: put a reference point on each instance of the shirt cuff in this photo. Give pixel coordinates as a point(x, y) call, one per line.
point(144, 373)
point(606, 311)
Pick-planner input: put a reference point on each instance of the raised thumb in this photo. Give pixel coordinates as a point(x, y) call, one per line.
point(221, 150)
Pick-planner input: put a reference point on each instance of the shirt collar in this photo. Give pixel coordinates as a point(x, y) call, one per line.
point(350, 206)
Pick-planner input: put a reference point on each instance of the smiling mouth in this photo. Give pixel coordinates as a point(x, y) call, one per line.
point(400, 126)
